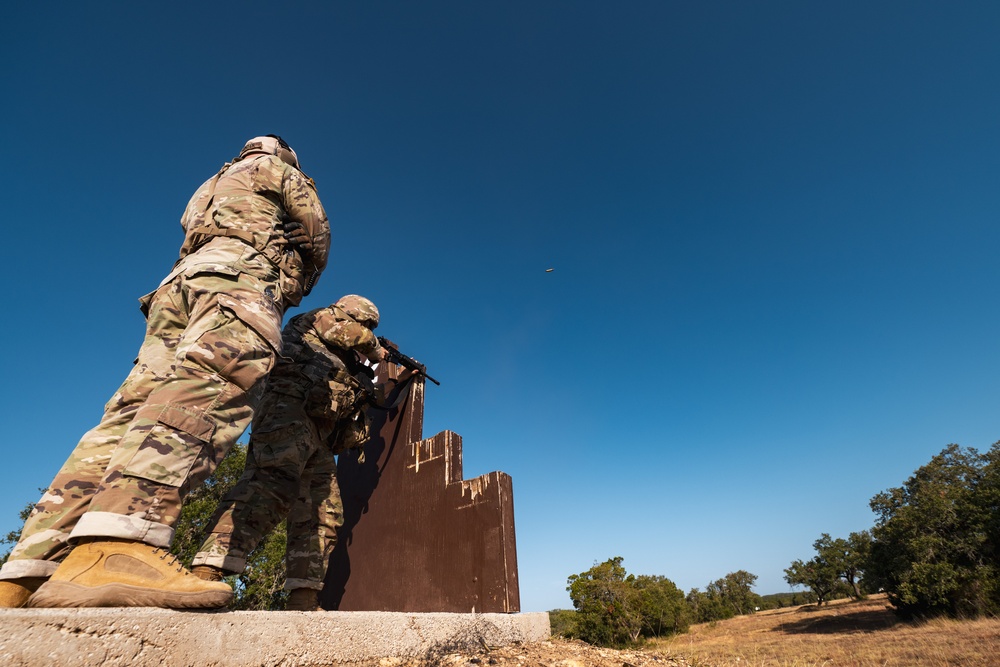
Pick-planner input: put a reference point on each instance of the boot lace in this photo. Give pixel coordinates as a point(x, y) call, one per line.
point(164, 555)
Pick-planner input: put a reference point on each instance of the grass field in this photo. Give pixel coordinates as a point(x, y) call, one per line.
point(855, 634)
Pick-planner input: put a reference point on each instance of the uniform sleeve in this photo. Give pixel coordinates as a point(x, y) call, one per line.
point(302, 205)
point(194, 213)
point(345, 334)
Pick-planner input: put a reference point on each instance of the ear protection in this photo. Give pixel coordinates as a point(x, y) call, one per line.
point(271, 144)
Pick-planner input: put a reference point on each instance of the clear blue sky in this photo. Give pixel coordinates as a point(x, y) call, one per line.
point(773, 227)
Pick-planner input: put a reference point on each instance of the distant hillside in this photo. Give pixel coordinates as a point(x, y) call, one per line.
point(865, 633)
point(790, 599)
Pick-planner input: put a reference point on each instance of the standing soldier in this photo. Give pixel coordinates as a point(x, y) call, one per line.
point(256, 239)
point(312, 409)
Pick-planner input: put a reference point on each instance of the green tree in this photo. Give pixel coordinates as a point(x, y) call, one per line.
point(12, 536)
point(725, 598)
point(736, 589)
point(200, 505)
point(707, 606)
point(606, 603)
point(615, 608)
point(818, 574)
point(837, 560)
point(563, 623)
point(661, 606)
point(988, 507)
point(934, 548)
point(856, 554)
point(261, 584)
point(790, 599)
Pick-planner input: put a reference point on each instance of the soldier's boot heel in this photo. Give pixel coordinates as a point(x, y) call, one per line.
point(121, 573)
point(303, 599)
point(14, 593)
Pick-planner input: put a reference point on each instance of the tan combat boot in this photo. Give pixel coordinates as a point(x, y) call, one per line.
point(122, 573)
point(15, 592)
point(303, 599)
point(207, 572)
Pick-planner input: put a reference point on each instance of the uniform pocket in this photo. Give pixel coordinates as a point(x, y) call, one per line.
point(172, 446)
point(351, 433)
point(329, 400)
point(236, 335)
point(283, 448)
point(259, 313)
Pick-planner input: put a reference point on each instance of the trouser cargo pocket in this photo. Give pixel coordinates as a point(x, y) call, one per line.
point(174, 443)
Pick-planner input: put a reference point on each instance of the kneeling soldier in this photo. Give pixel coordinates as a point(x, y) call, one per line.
point(313, 408)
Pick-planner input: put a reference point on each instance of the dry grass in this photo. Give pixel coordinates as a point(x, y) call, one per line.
point(843, 634)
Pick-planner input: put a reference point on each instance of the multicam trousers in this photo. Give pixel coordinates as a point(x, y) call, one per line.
point(211, 339)
point(290, 472)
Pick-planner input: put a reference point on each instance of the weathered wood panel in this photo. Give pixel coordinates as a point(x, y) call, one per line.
point(416, 536)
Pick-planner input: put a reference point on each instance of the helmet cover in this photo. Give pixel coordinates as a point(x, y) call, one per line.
point(360, 308)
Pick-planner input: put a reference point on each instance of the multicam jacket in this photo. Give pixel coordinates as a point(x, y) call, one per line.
point(250, 200)
point(321, 363)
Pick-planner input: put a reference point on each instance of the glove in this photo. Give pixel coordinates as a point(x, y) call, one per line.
point(297, 235)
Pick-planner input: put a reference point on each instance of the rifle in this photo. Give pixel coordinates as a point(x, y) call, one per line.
point(397, 357)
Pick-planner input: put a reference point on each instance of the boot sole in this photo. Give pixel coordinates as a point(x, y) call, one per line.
point(15, 601)
point(66, 594)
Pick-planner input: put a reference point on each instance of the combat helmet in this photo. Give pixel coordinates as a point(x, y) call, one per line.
point(271, 144)
point(360, 308)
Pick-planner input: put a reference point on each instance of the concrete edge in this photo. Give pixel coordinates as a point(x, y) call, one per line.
point(159, 637)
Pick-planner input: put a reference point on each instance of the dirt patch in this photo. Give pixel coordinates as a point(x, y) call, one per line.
point(552, 653)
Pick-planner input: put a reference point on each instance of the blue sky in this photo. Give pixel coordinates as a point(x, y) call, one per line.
point(772, 227)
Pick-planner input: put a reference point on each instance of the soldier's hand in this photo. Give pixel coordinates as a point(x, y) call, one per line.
point(407, 374)
point(297, 235)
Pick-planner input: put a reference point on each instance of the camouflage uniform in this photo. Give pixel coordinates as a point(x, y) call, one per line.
point(213, 330)
point(312, 409)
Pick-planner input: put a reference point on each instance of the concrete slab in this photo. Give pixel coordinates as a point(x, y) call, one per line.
point(141, 637)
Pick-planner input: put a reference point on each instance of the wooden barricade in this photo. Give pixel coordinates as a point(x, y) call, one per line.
point(417, 537)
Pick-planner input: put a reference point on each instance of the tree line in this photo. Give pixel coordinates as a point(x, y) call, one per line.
point(934, 550)
point(615, 608)
point(935, 546)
